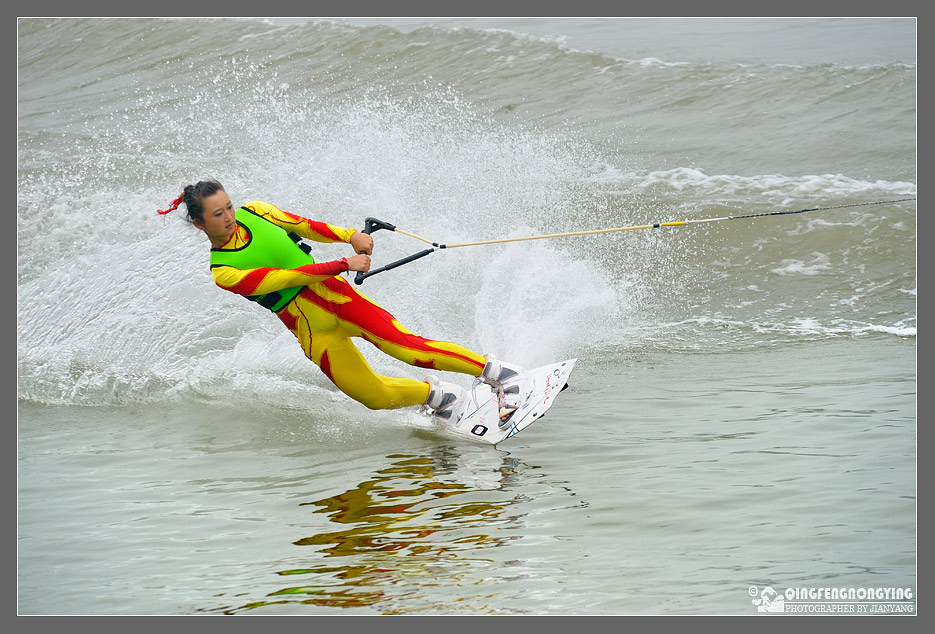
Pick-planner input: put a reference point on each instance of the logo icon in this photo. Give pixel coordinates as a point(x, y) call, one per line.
point(769, 600)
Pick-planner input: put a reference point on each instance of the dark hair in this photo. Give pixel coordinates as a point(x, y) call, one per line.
point(192, 197)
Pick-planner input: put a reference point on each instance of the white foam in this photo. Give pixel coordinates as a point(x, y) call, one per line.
point(820, 263)
point(899, 331)
point(786, 189)
point(653, 61)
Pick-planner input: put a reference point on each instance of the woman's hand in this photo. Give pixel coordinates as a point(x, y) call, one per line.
point(362, 242)
point(359, 262)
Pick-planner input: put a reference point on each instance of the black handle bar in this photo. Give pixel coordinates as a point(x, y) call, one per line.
point(371, 225)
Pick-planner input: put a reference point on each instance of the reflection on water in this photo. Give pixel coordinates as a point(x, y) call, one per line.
point(424, 520)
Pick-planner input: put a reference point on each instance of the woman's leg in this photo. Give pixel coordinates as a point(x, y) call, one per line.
point(326, 341)
point(343, 363)
point(371, 322)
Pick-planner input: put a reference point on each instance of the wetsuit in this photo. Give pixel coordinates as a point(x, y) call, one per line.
point(262, 262)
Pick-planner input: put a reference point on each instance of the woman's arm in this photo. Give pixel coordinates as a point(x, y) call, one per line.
point(266, 280)
point(311, 229)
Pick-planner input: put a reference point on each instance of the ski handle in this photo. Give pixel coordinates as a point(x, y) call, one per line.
point(371, 225)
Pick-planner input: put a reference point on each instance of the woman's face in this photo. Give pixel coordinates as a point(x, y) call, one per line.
point(217, 221)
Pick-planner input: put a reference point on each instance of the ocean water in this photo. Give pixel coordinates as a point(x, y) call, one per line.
point(743, 413)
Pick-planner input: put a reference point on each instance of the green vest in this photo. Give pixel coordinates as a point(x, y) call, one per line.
point(268, 246)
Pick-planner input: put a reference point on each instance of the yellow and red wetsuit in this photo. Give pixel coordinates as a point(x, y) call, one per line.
point(324, 311)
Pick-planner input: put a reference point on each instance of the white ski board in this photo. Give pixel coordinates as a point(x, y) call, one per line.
point(477, 417)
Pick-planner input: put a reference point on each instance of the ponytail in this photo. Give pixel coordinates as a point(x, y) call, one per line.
point(192, 196)
point(175, 205)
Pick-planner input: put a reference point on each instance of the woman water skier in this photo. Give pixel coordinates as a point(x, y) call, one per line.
point(256, 252)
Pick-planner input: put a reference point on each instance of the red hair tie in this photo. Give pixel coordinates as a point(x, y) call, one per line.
point(173, 207)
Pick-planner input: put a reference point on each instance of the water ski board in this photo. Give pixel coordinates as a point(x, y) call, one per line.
point(477, 417)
